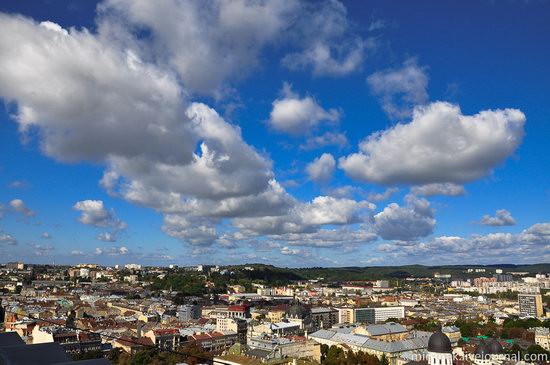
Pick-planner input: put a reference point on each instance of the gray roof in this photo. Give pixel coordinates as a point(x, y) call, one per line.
point(323, 334)
point(449, 329)
point(10, 339)
point(38, 354)
point(279, 325)
point(259, 353)
point(344, 329)
point(411, 344)
point(322, 310)
point(87, 362)
point(398, 346)
point(350, 339)
point(439, 342)
point(385, 329)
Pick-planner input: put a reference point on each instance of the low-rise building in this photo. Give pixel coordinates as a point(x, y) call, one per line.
point(188, 312)
point(237, 325)
point(213, 341)
point(542, 337)
point(71, 341)
point(132, 345)
point(164, 338)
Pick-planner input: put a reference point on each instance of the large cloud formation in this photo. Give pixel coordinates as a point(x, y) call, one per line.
point(308, 217)
point(207, 43)
point(126, 102)
point(530, 245)
point(102, 98)
point(439, 145)
point(89, 99)
point(212, 43)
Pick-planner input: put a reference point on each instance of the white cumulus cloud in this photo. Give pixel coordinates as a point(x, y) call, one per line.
point(502, 217)
point(439, 145)
point(405, 223)
point(94, 213)
point(19, 206)
point(322, 168)
point(530, 245)
point(207, 43)
point(308, 217)
point(295, 115)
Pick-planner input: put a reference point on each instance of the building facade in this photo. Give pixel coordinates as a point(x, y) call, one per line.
point(188, 312)
point(530, 305)
point(378, 315)
point(324, 317)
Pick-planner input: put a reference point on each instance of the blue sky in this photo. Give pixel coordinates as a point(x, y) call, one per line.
point(293, 133)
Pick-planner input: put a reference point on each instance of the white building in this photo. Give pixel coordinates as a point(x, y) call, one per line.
point(542, 337)
point(440, 351)
point(378, 314)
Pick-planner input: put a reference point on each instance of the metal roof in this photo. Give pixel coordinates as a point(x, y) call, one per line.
point(10, 339)
point(411, 344)
point(385, 329)
point(38, 354)
point(323, 334)
point(86, 362)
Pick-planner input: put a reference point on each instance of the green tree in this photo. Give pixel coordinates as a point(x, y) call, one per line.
point(536, 349)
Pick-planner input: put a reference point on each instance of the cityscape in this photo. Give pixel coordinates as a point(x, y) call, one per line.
point(274, 182)
point(258, 314)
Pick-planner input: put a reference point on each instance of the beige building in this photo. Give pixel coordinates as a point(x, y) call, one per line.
point(275, 315)
point(346, 315)
point(542, 337)
point(164, 338)
point(530, 305)
point(227, 324)
point(132, 345)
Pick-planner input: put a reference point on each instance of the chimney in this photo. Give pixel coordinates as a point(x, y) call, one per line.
point(139, 327)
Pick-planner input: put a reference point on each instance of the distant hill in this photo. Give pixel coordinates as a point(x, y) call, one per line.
point(390, 272)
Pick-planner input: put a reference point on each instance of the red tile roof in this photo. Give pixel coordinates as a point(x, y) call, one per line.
point(166, 331)
point(236, 308)
point(135, 342)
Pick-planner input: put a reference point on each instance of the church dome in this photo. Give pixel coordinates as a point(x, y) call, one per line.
point(297, 311)
point(495, 348)
point(439, 342)
point(482, 351)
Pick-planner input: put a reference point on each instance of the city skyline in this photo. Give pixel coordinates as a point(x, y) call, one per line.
point(284, 133)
